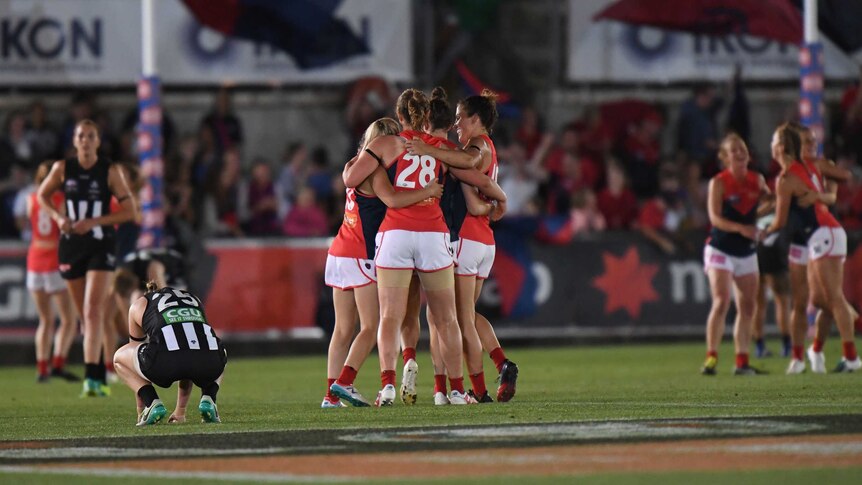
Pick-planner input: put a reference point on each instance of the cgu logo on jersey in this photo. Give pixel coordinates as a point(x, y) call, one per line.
point(177, 315)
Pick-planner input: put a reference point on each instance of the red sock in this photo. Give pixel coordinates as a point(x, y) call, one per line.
point(408, 353)
point(712, 353)
point(478, 381)
point(439, 383)
point(109, 366)
point(348, 375)
point(498, 356)
point(817, 345)
point(329, 394)
point(798, 352)
point(457, 384)
point(849, 350)
point(42, 367)
point(741, 360)
point(387, 377)
point(59, 362)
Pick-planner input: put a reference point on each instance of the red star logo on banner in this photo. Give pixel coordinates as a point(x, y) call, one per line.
point(627, 283)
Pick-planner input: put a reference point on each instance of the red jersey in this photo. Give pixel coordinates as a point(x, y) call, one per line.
point(42, 254)
point(362, 217)
point(478, 228)
point(816, 215)
point(412, 172)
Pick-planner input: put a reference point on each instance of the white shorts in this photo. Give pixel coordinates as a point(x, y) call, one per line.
point(739, 266)
point(349, 273)
point(798, 255)
point(49, 281)
point(827, 242)
point(420, 251)
point(474, 258)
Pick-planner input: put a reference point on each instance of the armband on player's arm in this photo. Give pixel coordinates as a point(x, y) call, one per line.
point(136, 339)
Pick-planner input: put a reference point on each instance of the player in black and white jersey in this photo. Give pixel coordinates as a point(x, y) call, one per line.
point(171, 340)
point(87, 247)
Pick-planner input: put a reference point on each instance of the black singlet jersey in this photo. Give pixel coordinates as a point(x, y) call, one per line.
point(372, 210)
point(138, 262)
point(175, 320)
point(453, 203)
point(88, 196)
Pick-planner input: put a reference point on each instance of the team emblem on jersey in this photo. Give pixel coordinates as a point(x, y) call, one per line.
point(350, 219)
point(71, 185)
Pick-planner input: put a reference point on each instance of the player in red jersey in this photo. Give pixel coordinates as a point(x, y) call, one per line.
point(45, 285)
point(475, 119)
point(412, 238)
point(826, 240)
point(729, 256)
point(351, 273)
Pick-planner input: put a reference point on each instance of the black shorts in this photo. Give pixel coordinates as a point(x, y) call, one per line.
point(78, 255)
point(772, 259)
point(164, 367)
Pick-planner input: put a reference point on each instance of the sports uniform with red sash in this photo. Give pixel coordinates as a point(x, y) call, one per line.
point(350, 259)
point(815, 226)
point(731, 251)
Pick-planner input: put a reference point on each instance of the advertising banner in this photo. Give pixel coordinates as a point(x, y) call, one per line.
point(609, 51)
point(63, 42)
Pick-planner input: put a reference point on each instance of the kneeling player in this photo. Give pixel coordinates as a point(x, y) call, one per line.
point(170, 340)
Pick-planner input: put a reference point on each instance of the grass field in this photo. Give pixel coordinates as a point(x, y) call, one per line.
point(569, 385)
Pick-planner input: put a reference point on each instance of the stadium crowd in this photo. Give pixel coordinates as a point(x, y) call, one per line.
point(605, 170)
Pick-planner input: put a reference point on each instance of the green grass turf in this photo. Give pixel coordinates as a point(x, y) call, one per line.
point(556, 384)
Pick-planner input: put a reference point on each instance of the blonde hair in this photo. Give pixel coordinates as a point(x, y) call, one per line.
point(723, 152)
point(381, 127)
point(88, 122)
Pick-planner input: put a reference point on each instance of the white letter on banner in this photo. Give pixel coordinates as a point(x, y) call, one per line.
point(679, 272)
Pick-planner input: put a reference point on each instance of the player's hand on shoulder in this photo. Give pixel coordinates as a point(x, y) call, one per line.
point(416, 146)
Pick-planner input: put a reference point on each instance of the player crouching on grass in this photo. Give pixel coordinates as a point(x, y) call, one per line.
point(170, 340)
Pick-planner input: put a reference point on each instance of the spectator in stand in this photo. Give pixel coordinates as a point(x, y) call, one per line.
point(306, 218)
point(18, 147)
point(319, 176)
point(520, 177)
point(220, 208)
point(697, 135)
point(596, 136)
point(260, 201)
point(110, 146)
point(738, 119)
point(694, 194)
point(368, 99)
point(563, 186)
point(206, 162)
point(178, 187)
point(83, 108)
point(44, 138)
point(294, 171)
point(530, 131)
point(616, 201)
point(640, 153)
point(585, 215)
point(19, 178)
point(567, 153)
point(661, 216)
point(225, 126)
point(849, 198)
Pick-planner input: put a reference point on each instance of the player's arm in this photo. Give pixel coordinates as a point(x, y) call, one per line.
point(476, 206)
point(481, 181)
point(716, 192)
point(136, 316)
point(118, 186)
point(184, 391)
point(830, 194)
point(52, 183)
point(384, 190)
point(832, 171)
point(783, 194)
point(767, 199)
point(469, 157)
point(364, 164)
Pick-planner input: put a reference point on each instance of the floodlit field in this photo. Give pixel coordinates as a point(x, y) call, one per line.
point(611, 414)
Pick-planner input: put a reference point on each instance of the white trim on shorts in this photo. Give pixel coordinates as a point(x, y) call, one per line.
point(426, 252)
point(474, 258)
point(349, 273)
point(738, 266)
point(797, 254)
point(47, 281)
point(827, 242)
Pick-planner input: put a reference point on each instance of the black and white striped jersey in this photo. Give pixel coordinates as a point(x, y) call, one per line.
point(88, 196)
point(175, 320)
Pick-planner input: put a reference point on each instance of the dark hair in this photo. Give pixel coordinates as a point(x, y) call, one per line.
point(788, 136)
point(485, 106)
point(413, 107)
point(125, 281)
point(442, 117)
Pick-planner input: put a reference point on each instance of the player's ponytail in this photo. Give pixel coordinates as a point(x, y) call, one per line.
point(441, 117)
point(151, 287)
point(412, 107)
point(791, 141)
